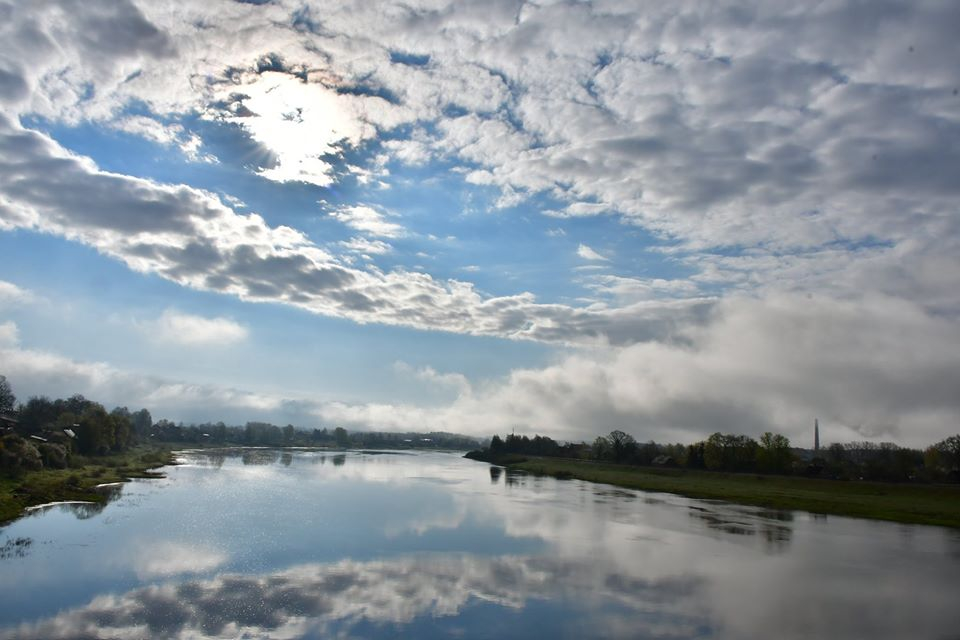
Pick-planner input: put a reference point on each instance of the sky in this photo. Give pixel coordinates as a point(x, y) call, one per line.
point(558, 217)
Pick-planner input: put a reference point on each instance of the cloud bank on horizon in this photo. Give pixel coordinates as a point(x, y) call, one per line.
point(714, 217)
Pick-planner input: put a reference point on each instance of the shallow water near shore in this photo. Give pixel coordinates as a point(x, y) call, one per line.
point(294, 544)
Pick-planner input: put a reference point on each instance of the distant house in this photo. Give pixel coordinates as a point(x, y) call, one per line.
point(7, 423)
point(664, 461)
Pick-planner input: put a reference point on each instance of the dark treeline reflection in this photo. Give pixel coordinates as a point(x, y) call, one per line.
point(265, 456)
point(771, 526)
point(15, 547)
point(81, 509)
point(260, 456)
point(257, 457)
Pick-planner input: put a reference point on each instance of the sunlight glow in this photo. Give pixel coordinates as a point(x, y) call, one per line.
point(303, 124)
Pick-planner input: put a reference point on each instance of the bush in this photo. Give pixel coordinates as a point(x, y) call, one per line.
point(54, 455)
point(18, 455)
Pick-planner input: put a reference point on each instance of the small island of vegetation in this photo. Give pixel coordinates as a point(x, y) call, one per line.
point(860, 479)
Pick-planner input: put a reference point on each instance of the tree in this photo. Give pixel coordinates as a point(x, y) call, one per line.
point(951, 448)
point(622, 445)
point(695, 453)
point(8, 401)
point(38, 413)
point(95, 431)
point(948, 453)
point(601, 448)
point(76, 404)
point(773, 454)
point(729, 453)
point(142, 421)
point(647, 452)
point(341, 437)
point(121, 430)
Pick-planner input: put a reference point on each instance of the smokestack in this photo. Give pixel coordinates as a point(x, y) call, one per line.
point(816, 435)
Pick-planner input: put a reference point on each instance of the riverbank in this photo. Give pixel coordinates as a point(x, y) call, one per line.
point(78, 482)
point(905, 503)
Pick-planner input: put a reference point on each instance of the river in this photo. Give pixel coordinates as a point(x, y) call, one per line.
point(292, 544)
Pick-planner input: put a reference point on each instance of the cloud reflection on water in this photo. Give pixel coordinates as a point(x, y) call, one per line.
point(173, 558)
point(424, 545)
point(315, 599)
point(605, 597)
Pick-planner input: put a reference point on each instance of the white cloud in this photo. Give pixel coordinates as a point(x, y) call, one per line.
point(9, 334)
point(190, 237)
point(587, 253)
point(186, 329)
point(11, 295)
point(778, 150)
point(773, 364)
point(629, 290)
point(429, 375)
point(164, 134)
point(368, 220)
point(875, 368)
point(591, 267)
point(716, 127)
point(363, 245)
point(38, 372)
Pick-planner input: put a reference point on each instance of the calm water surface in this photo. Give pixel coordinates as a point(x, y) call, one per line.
point(261, 543)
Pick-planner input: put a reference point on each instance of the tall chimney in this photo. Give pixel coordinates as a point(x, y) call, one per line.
point(816, 435)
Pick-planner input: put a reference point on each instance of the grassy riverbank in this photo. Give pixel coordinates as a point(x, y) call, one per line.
point(77, 482)
point(907, 503)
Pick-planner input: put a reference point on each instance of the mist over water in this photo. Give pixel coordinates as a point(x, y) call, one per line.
point(291, 544)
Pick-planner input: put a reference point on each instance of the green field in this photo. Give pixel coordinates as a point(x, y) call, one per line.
point(77, 482)
point(907, 503)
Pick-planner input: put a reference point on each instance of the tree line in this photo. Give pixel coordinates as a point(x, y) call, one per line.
point(265, 434)
point(770, 454)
